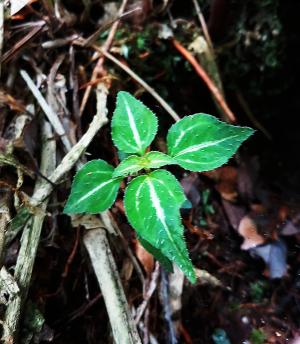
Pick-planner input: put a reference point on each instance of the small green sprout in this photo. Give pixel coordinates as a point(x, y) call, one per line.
point(153, 199)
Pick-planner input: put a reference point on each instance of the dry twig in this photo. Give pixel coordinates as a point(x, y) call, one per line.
point(205, 77)
point(138, 79)
point(149, 292)
point(1, 29)
point(123, 328)
point(29, 243)
point(100, 61)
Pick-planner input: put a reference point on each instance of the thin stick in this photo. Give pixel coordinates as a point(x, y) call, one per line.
point(115, 301)
point(146, 86)
point(22, 43)
point(69, 159)
point(4, 218)
point(91, 40)
point(205, 77)
point(8, 287)
point(49, 112)
point(29, 243)
point(149, 292)
point(203, 25)
point(123, 328)
point(251, 116)
point(99, 64)
point(1, 29)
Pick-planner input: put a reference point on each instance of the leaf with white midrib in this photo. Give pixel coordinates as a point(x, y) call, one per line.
point(133, 124)
point(201, 142)
point(152, 204)
point(134, 163)
point(128, 166)
point(93, 189)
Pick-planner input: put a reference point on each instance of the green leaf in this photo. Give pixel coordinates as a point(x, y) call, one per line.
point(135, 163)
point(133, 124)
point(122, 156)
point(157, 159)
point(201, 142)
point(128, 166)
point(152, 204)
point(164, 261)
point(93, 189)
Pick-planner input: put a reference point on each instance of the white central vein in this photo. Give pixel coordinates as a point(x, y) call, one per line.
point(183, 133)
point(133, 127)
point(129, 168)
point(160, 161)
point(157, 206)
point(161, 216)
point(138, 191)
point(200, 146)
point(126, 143)
point(93, 191)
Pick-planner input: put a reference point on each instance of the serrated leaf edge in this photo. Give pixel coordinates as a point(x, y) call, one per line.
point(160, 213)
point(251, 131)
point(119, 174)
point(88, 194)
point(141, 151)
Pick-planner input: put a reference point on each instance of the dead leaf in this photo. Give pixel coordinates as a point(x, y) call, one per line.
point(274, 254)
point(248, 182)
point(248, 230)
point(226, 179)
point(227, 184)
point(145, 258)
point(292, 226)
point(296, 340)
point(11, 102)
point(290, 229)
point(234, 212)
point(127, 269)
point(191, 185)
point(17, 5)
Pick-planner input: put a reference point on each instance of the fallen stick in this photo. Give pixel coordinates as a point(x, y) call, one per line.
point(148, 294)
point(123, 327)
point(205, 77)
point(146, 86)
point(203, 25)
point(29, 244)
point(49, 112)
point(100, 61)
point(1, 29)
point(116, 296)
point(4, 219)
point(69, 159)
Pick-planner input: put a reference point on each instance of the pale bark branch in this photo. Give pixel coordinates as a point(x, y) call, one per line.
point(29, 243)
point(123, 328)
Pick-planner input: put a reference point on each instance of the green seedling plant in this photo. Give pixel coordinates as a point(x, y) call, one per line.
point(153, 196)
